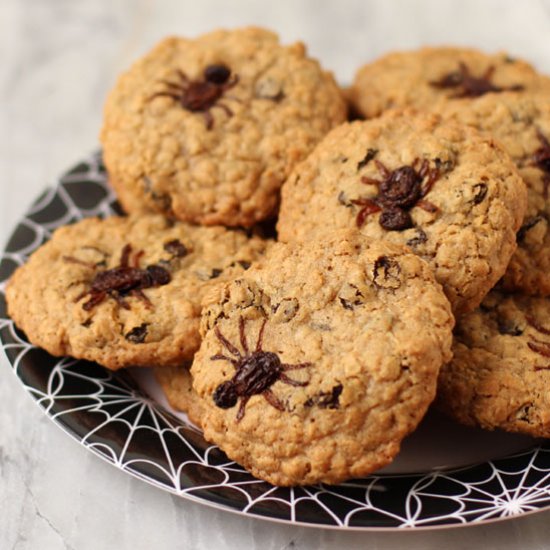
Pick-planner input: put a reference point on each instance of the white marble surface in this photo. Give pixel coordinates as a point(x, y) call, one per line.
point(58, 58)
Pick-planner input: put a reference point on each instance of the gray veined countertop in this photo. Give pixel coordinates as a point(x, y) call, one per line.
point(58, 58)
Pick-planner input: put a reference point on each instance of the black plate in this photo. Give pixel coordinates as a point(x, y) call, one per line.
point(114, 418)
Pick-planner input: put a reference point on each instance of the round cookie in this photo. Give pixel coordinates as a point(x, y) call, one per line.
point(177, 384)
point(318, 361)
point(427, 77)
point(454, 197)
point(125, 291)
point(500, 372)
point(207, 130)
point(521, 123)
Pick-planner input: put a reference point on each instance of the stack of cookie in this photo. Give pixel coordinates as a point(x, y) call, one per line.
point(500, 373)
point(311, 358)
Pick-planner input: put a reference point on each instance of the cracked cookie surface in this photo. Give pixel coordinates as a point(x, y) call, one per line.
point(125, 291)
point(430, 77)
point(500, 371)
point(521, 123)
point(453, 196)
point(321, 358)
point(207, 130)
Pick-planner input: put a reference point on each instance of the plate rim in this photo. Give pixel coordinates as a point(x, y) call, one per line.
point(212, 504)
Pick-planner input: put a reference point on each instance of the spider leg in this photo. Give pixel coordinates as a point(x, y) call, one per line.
point(73, 260)
point(227, 344)
point(542, 348)
point(242, 406)
point(208, 119)
point(538, 327)
point(489, 72)
point(234, 80)
point(368, 207)
point(424, 169)
point(166, 94)
point(543, 139)
point(364, 213)
point(183, 77)
point(297, 366)
point(284, 378)
point(541, 342)
point(137, 258)
point(541, 367)
point(221, 357)
point(119, 300)
point(138, 293)
point(370, 181)
point(96, 249)
point(427, 206)
point(382, 169)
point(225, 108)
point(433, 176)
point(261, 336)
point(244, 343)
point(125, 255)
point(174, 85)
point(81, 295)
point(94, 300)
point(273, 400)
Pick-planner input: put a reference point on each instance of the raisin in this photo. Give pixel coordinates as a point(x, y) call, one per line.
point(215, 273)
point(394, 218)
point(217, 74)
point(370, 154)
point(420, 238)
point(326, 400)
point(137, 335)
point(225, 395)
point(159, 275)
point(386, 273)
point(176, 248)
point(401, 189)
point(508, 327)
point(346, 304)
point(480, 190)
point(343, 200)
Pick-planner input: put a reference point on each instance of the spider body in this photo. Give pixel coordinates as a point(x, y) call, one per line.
point(399, 191)
point(469, 86)
point(255, 373)
point(203, 94)
point(401, 188)
point(123, 280)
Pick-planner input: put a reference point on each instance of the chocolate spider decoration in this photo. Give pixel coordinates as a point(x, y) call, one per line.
point(399, 191)
point(255, 373)
point(541, 159)
point(539, 346)
point(469, 86)
point(121, 281)
point(201, 95)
